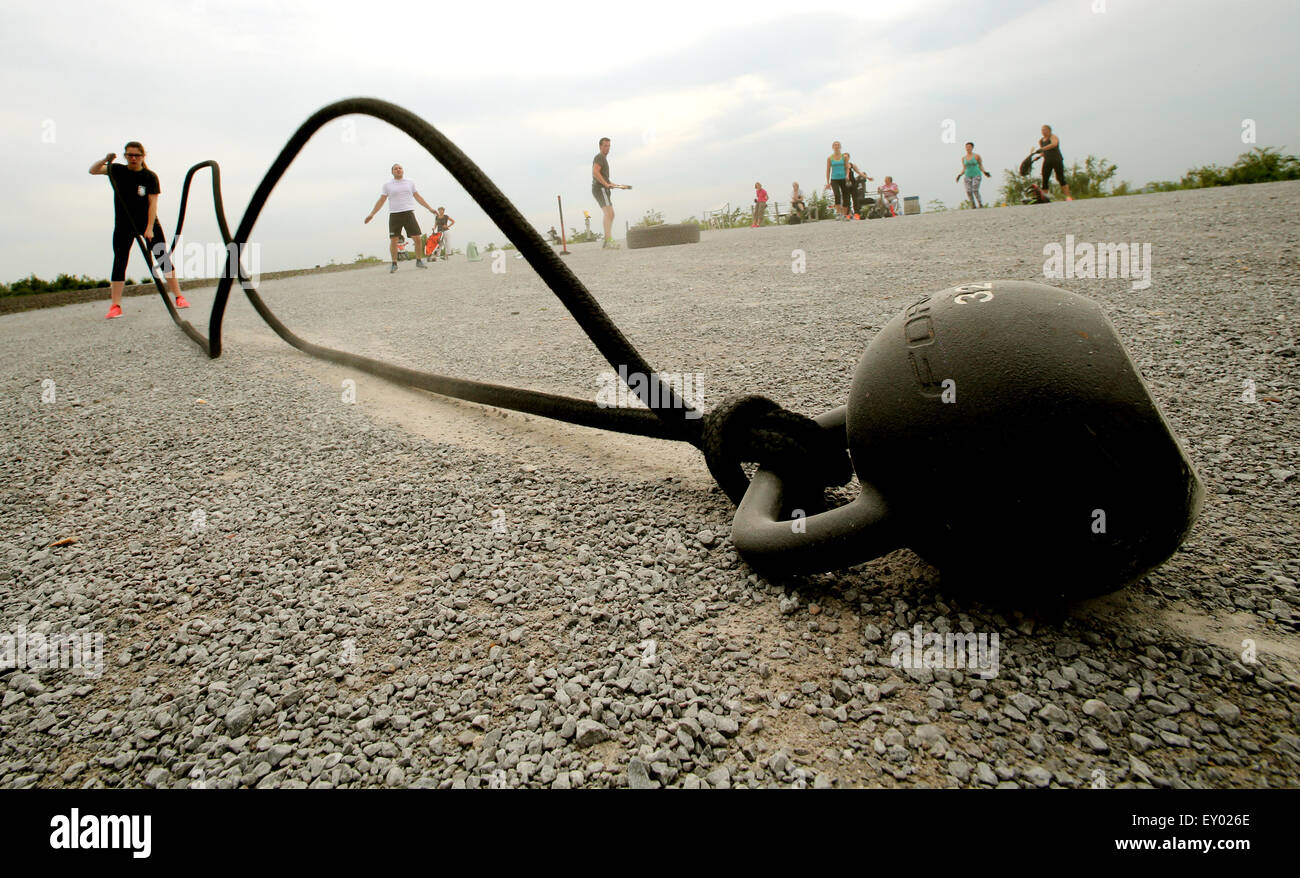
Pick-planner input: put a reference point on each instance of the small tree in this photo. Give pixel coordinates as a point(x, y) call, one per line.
point(1090, 179)
point(1014, 186)
point(1203, 177)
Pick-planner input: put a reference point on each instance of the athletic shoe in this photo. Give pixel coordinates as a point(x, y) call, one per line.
point(1067, 198)
point(180, 301)
point(115, 311)
point(393, 269)
point(419, 264)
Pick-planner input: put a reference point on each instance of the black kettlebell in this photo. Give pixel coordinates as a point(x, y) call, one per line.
point(1001, 432)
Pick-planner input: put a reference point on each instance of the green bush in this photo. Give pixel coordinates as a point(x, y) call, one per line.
point(1263, 165)
point(1014, 186)
point(819, 206)
point(1089, 181)
point(32, 284)
point(576, 237)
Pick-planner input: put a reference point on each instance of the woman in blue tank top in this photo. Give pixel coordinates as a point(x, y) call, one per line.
point(972, 166)
point(837, 179)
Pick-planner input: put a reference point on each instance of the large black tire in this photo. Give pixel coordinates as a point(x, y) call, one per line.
point(662, 236)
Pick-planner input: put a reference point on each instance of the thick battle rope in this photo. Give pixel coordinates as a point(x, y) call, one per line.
point(747, 429)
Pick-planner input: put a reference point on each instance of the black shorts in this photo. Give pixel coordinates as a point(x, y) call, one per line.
point(1053, 162)
point(124, 241)
point(840, 189)
point(403, 221)
point(601, 195)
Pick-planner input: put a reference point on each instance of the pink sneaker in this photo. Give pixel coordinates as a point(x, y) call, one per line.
point(180, 301)
point(115, 311)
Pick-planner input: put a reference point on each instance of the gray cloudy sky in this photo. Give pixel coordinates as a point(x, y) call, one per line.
point(701, 100)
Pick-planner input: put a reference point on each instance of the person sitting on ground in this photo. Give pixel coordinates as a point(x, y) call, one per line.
point(889, 194)
point(797, 204)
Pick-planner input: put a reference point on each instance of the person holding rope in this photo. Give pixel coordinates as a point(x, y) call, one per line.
point(401, 196)
point(856, 178)
point(1049, 147)
point(135, 208)
point(600, 188)
point(972, 167)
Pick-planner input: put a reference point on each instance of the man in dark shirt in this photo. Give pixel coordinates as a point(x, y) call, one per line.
point(135, 211)
point(600, 188)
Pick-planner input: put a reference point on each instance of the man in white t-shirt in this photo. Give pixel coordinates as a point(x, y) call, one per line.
point(401, 196)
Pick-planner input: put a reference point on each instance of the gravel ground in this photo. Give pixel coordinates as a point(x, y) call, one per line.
point(294, 590)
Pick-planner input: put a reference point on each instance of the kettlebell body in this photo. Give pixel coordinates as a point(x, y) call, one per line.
point(1001, 431)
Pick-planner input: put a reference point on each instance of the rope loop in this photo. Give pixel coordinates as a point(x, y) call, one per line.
point(754, 429)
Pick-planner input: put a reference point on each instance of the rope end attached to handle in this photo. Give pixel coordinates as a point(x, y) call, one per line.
point(754, 429)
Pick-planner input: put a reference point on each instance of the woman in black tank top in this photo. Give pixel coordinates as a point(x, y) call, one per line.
point(1050, 148)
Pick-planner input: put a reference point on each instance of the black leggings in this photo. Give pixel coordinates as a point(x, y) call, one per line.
point(1053, 161)
point(124, 241)
point(840, 191)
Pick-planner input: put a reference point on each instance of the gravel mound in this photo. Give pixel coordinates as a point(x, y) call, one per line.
point(296, 589)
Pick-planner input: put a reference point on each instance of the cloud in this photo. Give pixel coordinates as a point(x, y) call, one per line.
point(700, 99)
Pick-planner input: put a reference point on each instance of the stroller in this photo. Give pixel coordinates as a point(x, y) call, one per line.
point(405, 247)
point(436, 245)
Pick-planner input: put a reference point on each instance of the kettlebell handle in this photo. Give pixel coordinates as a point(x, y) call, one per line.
point(841, 537)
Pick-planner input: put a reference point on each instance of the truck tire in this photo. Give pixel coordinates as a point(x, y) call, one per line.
point(662, 236)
